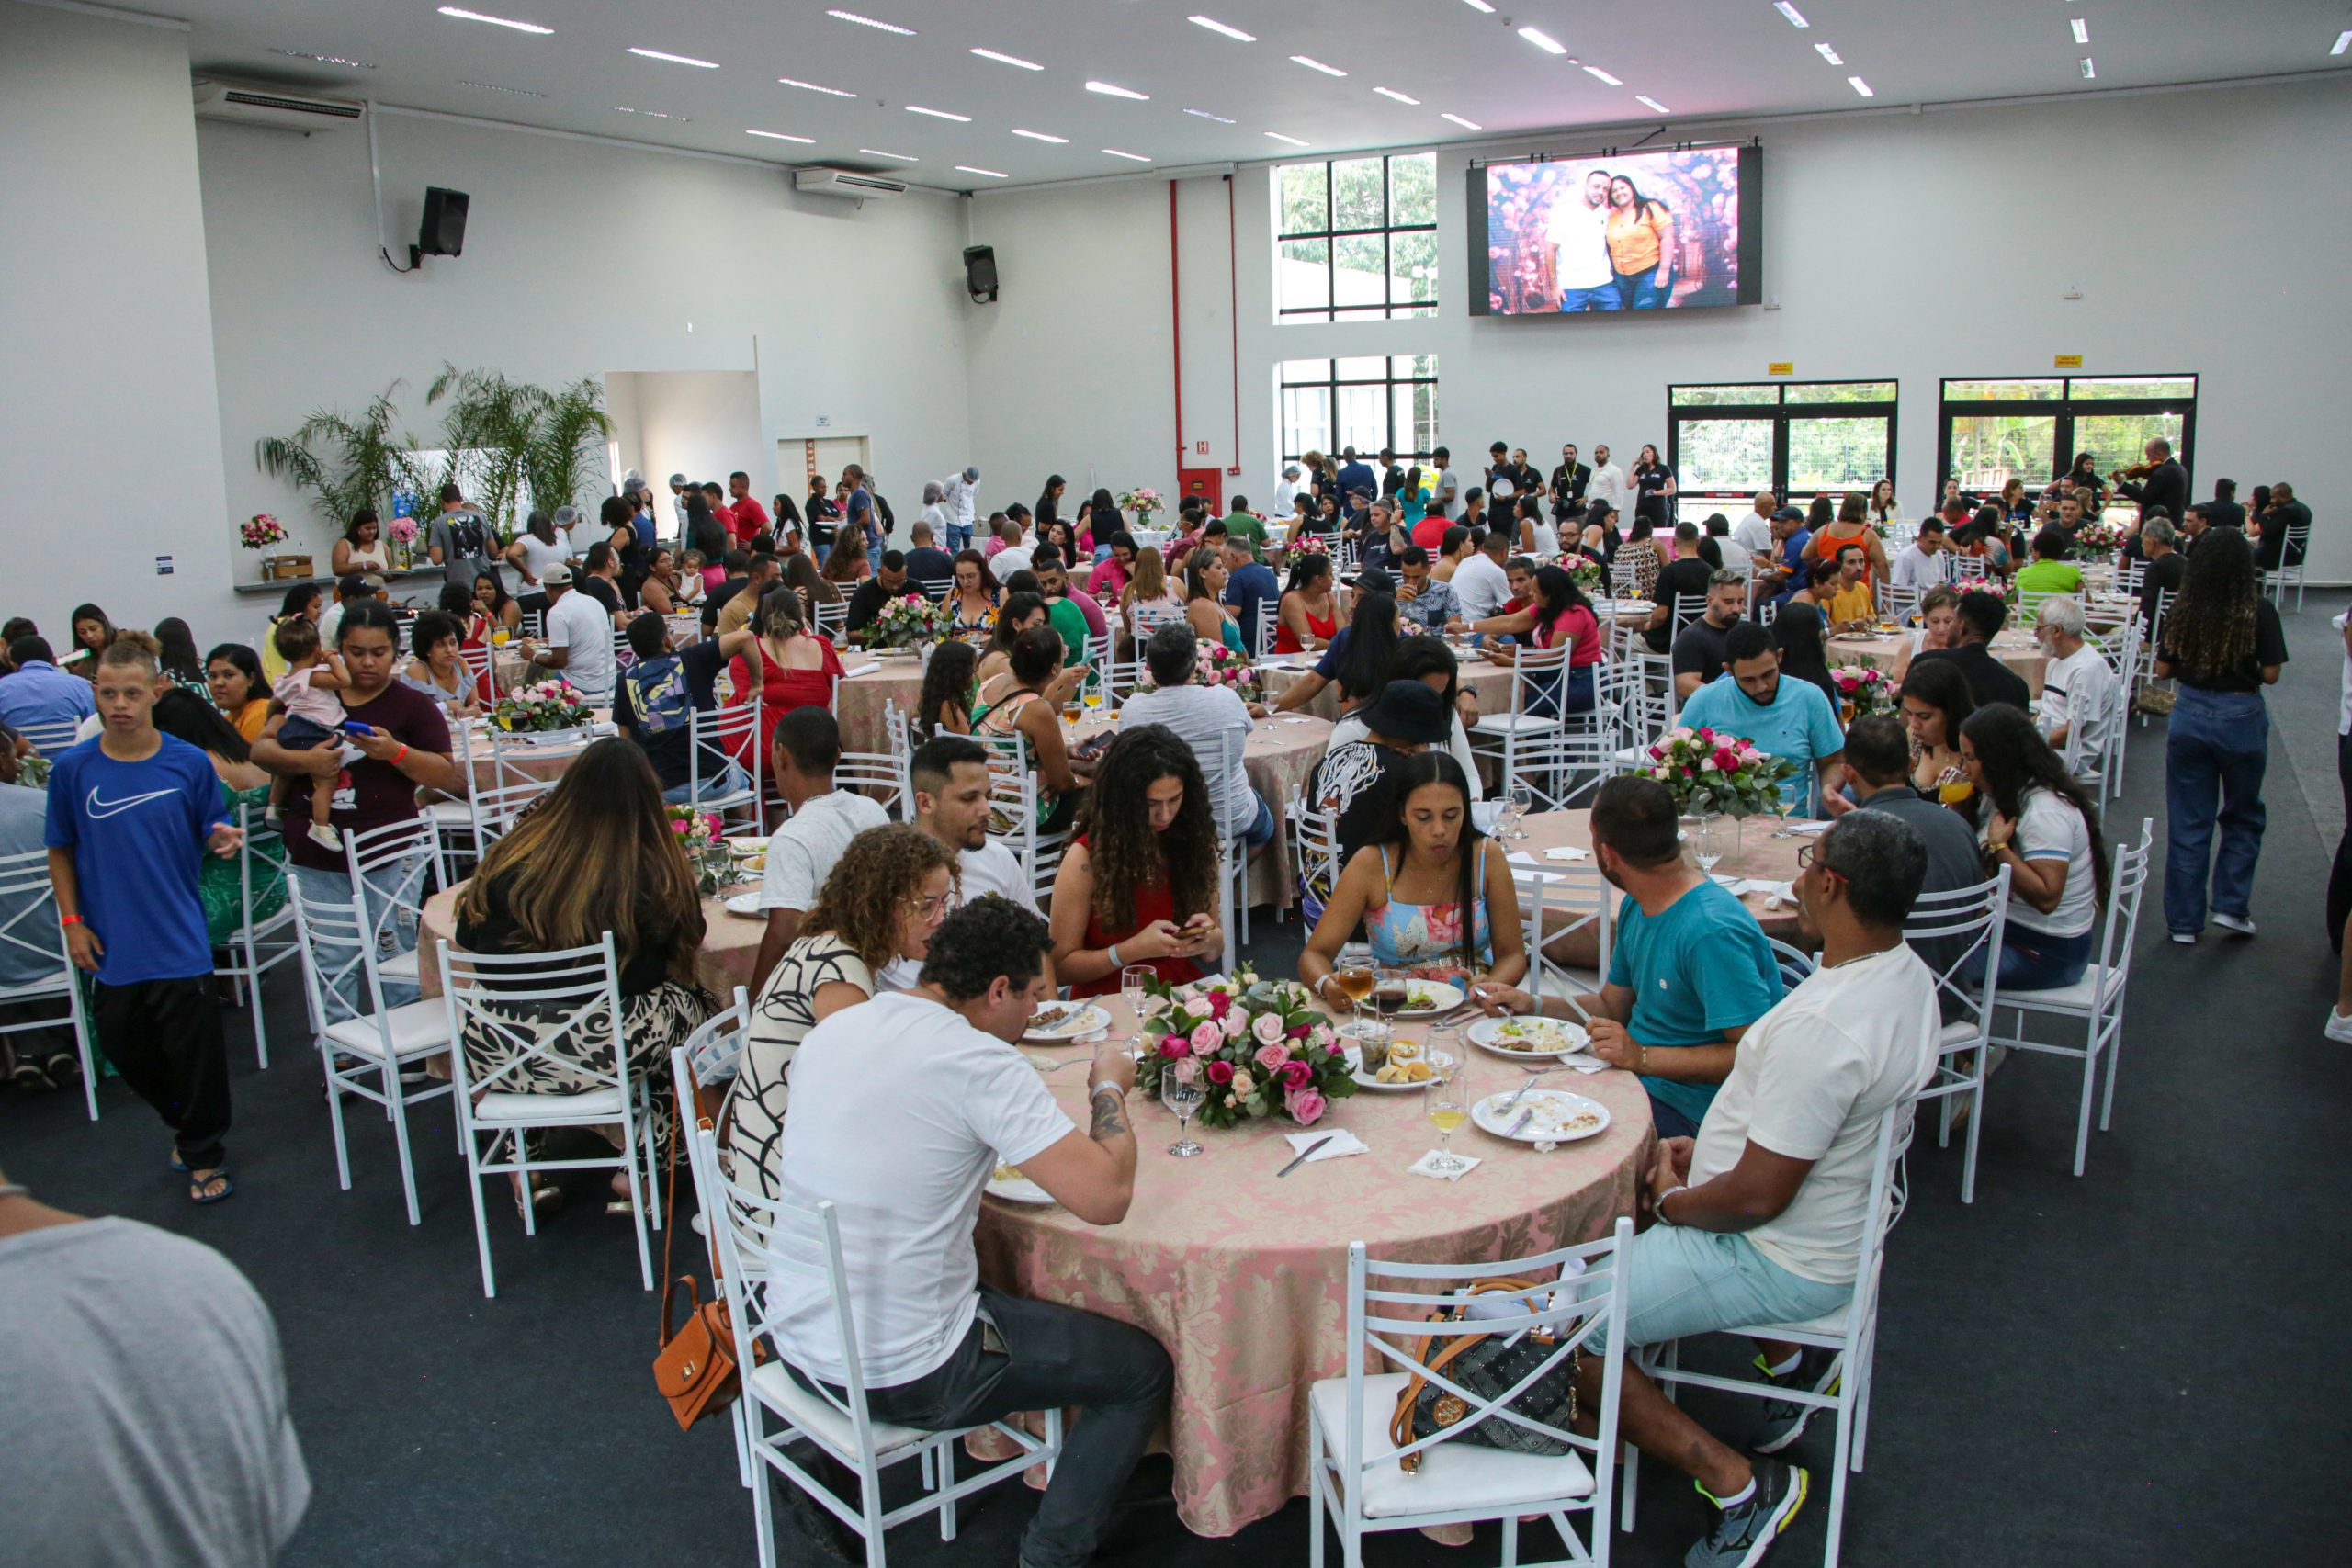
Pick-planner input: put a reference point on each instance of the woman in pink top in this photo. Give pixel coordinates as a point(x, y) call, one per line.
point(1560, 615)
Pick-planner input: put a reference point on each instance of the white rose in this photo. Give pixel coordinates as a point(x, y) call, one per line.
point(1236, 1023)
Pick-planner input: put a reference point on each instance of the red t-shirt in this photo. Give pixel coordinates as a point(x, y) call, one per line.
point(746, 519)
point(1429, 533)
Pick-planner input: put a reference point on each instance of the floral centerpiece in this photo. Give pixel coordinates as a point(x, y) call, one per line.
point(549, 705)
point(1260, 1047)
point(906, 622)
point(1214, 664)
point(1864, 688)
point(1709, 771)
point(401, 532)
point(261, 530)
point(2097, 538)
point(1589, 574)
point(1310, 545)
point(698, 833)
point(1142, 503)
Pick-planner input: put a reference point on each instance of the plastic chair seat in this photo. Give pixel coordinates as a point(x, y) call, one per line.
point(1513, 724)
point(2097, 984)
point(417, 1027)
point(398, 967)
point(509, 1109)
point(815, 1414)
point(1454, 1475)
point(450, 813)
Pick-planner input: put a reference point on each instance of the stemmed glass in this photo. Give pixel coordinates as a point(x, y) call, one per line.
point(1780, 816)
point(1445, 1105)
point(1180, 1091)
point(1133, 983)
point(1356, 979)
point(1706, 844)
point(1090, 694)
point(1516, 799)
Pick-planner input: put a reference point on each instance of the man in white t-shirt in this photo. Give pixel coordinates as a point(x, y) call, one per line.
point(1578, 232)
point(950, 775)
point(1608, 481)
point(902, 1108)
point(1761, 1218)
point(1754, 531)
point(2078, 685)
point(825, 819)
point(1481, 585)
point(960, 493)
point(1928, 563)
point(580, 638)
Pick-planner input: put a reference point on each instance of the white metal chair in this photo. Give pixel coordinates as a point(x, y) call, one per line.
point(1538, 679)
point(2096, 999)
point(880, 775)
point(2290, 566)
point(391, 866)
point(1356, 1478)
point(579, 984)
point(481, 667)
point(1898, 603)
point(831, 620)
point(762, 1240)
point(732, 733)
point(454, 832)
point(1314, 837)
point(31, 934)
point(898, 736)
point(497, 810)
point(937, 589)
point(1013, 812)
point(1849, 1333)
point(700, 1069)
point(2095, 740)
point(361, 1048)
point(2143, 673)
point(257, 946)
point(1968, 568)
point(1558, 901)
point(1793, 962)
point(1972, 921)
point(1219, 769)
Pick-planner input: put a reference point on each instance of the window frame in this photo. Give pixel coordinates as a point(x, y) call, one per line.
point(2065, 410)
point(1331, 313)
point(1388, 381)
point(1781, 413)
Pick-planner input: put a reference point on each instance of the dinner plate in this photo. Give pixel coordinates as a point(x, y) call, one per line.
point(1443, 998)
point(1490, 1034)
point(748, 847)
point(1372, 1084)
point(1019, 1190)
point(1560, 1117)
point(1078, 1020)
point(746, 905)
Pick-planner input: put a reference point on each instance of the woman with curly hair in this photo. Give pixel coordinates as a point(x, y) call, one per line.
point(2223, 644)
point(2043, 826)
point(880, 905)
point(1137, 885)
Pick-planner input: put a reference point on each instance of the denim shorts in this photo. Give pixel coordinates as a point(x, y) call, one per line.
point(1680, 1281)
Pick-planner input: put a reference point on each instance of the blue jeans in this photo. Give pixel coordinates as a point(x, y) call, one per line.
point(1261, 826)
point(2216, 750)
point(959, 538)
point(1680, 1281)
point(1640, 293)
point(1670, 1122)
point(733, 781)
point(395, 932)
point(1604, 298)
point(2032, 961)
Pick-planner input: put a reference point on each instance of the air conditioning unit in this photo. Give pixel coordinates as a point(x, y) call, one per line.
point(845, 183)
point(273, 110)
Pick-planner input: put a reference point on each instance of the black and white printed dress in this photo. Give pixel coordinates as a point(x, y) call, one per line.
point(782, 1017)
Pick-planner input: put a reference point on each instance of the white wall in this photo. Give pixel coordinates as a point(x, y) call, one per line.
point(702, 423)
point(109, 423)
point(2205, 230)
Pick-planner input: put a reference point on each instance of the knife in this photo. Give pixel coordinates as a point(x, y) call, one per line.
point(1524, 1118)
point(1303, 1155)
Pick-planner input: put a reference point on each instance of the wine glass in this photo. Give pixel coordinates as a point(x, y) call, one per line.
point(1516, 799)
point(1180, 1091)
point(1092, 695)
point(1445, 1045)
point(1356, 977)
point(1445, 1105)
point(1780, 816)
point(1707, 844)
point(1135, 983)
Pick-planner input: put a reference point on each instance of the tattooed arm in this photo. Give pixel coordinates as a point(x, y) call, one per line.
point(1093, 1174)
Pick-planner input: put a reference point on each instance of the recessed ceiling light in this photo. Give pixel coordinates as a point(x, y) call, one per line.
point(1829, 54)
point(1543, 40)
point(465, 15)
point(2082, 30)
point(1795, 17)
point(1008, 60)
point(677, 59)
point(1652, 103)
point(1317, 66)
point(1860, 86)
point(652, 114)
point(1135, 157)
point(324, 59)
point(901, 157)
point(1109, 91)
point(2091, 72)
point(1393, 93)
point(2343, 42)
point(1203, 114)
point(1479, 5)
point(940, 114)
point(1596, 71)
point(498, 87)
point(780, 136)
point(1464, 124)
point(992, 174)
point(813, 87)
point(1278, 136)
point(1217, 27)
point(870, 22)
point(1041, 136)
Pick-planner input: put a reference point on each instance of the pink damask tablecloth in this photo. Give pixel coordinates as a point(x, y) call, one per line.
point(862, 703)
point(1243, 1277)
point(2013, 647)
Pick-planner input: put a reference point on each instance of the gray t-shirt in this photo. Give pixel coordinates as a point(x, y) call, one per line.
point(465, 542)
point(144, 1423)
point(1199, 714)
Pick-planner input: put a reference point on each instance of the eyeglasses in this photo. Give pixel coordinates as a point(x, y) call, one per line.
point(928, 908)
point(1810, 855)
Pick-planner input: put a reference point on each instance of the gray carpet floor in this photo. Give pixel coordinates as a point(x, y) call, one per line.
point(2141, 1366)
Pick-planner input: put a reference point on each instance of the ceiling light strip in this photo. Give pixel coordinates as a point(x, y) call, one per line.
point(465, 15)
point(870, 22)
point(676, 59)
point(1110, 90)
point(781, 136)
point(1314, 64)
point(1041, 136)
point(1007, 59)
point(813, 87)
point(1217, 27)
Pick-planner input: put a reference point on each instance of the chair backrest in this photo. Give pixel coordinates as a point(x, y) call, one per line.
point(576, 984)
point(481, 667)
point(1968, 567)
point(1392, 1326)
point(730, 733)
point(1536, 676)
point(1624, 580)
point(535, 624)
point(1897, 603)
point(1688, 607)
point(831, 619)
point(1315, 849)
point(29, 930)
point(1965, 927)
point(937, 589)
point(2124, 886)
point(336, 929)
point(51, 738)
point(259, 873)
point(1794, 962)
point(392, 867)
point(496, 809)
point(1558, 901)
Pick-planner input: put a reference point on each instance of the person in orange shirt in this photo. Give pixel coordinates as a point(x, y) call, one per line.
point(1641, 247)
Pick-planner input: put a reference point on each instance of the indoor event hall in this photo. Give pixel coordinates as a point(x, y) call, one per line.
point(1426, 783)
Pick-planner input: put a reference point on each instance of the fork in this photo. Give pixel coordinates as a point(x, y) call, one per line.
point(1513, 1104)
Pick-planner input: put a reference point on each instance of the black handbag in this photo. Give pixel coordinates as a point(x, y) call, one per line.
point(1487, 1365)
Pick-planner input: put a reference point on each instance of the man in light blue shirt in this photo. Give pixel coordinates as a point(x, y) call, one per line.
point(39, 693)
point(1783, 718)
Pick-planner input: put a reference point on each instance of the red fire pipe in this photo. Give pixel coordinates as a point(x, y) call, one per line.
point(1233, 309)
point(1175, 327)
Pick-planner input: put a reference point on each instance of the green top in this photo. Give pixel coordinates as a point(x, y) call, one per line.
point(1242, 525)
point(2051, 577)
point(217, 886)
point(1067, 618)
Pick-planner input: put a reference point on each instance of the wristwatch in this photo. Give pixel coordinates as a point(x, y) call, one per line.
point(1657, 1204)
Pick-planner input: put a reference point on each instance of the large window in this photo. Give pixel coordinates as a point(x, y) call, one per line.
point(1727, 442)
point(2031, 428)
point(1367, 403)
point(1356, 239)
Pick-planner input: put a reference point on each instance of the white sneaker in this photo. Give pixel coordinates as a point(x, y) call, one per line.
point(2242, 924)
point(2339, 1026)
point(324, 835)
point(2186, 939)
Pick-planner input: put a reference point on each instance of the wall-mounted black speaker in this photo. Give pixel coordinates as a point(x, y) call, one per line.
point(443, 233)
point(979, 273)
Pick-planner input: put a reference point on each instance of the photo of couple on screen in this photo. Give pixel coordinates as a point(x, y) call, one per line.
point(1640, 231)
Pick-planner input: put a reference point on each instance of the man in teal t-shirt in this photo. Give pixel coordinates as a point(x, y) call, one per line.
point(1784, 719)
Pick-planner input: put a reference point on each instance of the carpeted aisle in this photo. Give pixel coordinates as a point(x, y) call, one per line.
point(2142, 1366)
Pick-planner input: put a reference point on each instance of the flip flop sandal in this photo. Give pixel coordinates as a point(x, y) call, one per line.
point(197, 1196)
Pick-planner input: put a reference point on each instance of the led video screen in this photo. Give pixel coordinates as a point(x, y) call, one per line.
point(1666, 230)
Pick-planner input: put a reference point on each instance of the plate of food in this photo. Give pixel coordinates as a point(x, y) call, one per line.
point(1541, 1116)
point(747, 905)
point(1399, 1074)
point(1421, 998)
point(1061, 1023)
point(1529, 1037)
point(1008, 1183)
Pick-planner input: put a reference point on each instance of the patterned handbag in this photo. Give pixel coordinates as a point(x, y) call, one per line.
point(1487, 1365)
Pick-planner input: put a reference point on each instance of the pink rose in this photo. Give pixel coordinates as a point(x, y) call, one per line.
point(1296, 1075)
point(1726, 759)
point(1206, 1037)
point(1272, 1058)
point(1235, 1025)
point(1267, 1027)
point(1306, 1106)
point(1215, 1003)
point(1220, 1073)
point(1174, 1049)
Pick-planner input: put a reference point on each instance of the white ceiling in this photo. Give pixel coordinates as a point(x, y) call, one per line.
point(1700, 59)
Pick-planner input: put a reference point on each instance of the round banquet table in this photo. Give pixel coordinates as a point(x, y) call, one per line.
point(1243, 1277)
point(861, 702)
point(1751, 855)
point(544, 760)
point(1891, 653)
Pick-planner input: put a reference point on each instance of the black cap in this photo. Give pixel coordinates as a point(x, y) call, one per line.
point(1788, 515)
point(1409, 710)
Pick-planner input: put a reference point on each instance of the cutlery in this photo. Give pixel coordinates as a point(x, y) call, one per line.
point(1302, 1156)
point(1570, 998)
point(1524, 1118)
point(1512, 1103)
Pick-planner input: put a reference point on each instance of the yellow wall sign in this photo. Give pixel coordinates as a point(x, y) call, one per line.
point(1781, 367)
point(2067, 362)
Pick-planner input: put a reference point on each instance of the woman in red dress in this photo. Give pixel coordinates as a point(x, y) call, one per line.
point(1138, 884)
point(789, 666)
point(1309, 613)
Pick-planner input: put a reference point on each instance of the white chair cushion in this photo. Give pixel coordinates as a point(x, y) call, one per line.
point(398, 967)
point(417, 1027)
point(1957, 1034)
point(1454, 1475)
point(2078, 998)
point(563, 1109)
point(451, 813)
point(1506, 724)
point(779, 1390)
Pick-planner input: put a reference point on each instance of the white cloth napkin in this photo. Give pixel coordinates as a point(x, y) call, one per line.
point(1343, 1143)
point(1808, 827)
point(1467, 1164)
point(857, 670)
point(1568, 853)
